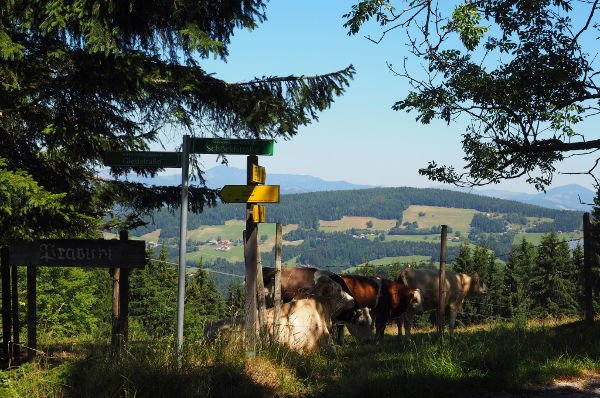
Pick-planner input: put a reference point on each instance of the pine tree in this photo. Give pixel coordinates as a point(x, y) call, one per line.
point(553, 280)
point(463, 263)
point(517, 279)
point(83, 78)
point(153, 300)
point(236, 299)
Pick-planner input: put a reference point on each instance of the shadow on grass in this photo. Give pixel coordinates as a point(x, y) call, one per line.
point(494, 359)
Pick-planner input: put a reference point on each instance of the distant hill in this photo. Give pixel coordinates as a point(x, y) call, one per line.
point(218, 176)
point(566, 197)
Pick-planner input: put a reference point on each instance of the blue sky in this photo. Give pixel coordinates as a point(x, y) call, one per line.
point(360, 139)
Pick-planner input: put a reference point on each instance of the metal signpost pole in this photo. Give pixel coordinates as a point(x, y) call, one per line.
point(185, 162)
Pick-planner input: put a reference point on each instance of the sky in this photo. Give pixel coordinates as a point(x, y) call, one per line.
point(360, 139)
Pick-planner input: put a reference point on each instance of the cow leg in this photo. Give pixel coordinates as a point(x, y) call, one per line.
point(453, 313)
point(340, 333)
point(380, 324)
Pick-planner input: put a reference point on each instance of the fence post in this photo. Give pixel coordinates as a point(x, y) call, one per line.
point(442, 283)
point(587, 269)
point(277, 282)
point(116, 279)
point(31, 311)
point(16, 347)
point(6, 310)
point(260, 289)
point(124, 296)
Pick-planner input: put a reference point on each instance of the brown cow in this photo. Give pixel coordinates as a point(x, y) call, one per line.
point(386, 299)
point(295, 279)
point(458, 288)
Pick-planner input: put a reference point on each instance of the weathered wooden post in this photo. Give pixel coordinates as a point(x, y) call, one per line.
point(6, 310)
point(277, 282)
point(250, 254)
point(123, 323)
point(442, 282)
point(260, 290)
point(116, 280)
point(587, 269)
point(31, 311)
point(16, 346)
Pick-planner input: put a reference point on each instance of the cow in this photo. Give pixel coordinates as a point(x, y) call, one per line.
point(457, 288)
point(294, 280)
point(304, 322)
point(386, 299)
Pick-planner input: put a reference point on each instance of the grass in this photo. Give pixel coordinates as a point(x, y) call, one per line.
point(475, 361)
point(536, 238)
point(458, 219)
point(349, 222)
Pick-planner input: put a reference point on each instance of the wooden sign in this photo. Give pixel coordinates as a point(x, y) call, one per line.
point(79, 253)
point(250, 193)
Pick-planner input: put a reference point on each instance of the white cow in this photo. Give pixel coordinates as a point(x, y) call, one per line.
point(305, 322)
point(458, 287)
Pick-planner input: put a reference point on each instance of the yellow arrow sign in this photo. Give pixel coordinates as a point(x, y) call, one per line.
point(250, 194)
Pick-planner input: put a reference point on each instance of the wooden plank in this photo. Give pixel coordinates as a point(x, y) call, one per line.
point(124, 297)
point(277, 294)
point(16, 344)
point(6, 310)
point(31, 312)
point(442, 282)
point(587, 270)
point(79, 253)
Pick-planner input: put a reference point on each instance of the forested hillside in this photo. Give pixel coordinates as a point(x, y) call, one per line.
point(385, 203)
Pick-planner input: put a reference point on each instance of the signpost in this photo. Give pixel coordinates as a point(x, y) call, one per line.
point(161, 160)
point(228, 146)
point(250, 193)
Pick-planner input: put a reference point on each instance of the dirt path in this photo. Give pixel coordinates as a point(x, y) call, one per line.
point(584, 386)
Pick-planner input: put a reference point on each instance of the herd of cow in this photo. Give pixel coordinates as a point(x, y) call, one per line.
point(315, 301)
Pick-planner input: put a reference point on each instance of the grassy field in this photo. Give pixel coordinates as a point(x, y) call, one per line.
point(392, 260)
point(487, 360)
point(458, 219)
point(347, 223)
point(536, 238)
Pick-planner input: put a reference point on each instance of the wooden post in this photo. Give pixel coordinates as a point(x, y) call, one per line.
point(250, 255)
point(31, 311)
point(116, 279)
point(442, 282)
point(587, 269)
point(124, 297)
point(6, 310)
point(277, 282)
point(260, 289)
point(16, 347)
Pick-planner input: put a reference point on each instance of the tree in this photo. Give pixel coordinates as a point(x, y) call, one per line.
point(517, 71)
point(153, 299)
point(517, 278)
point(554, 278)
point(83, 78)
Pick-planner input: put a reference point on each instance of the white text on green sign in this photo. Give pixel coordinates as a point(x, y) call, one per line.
point(143, 159)
point(227, 146)
point(250, 194)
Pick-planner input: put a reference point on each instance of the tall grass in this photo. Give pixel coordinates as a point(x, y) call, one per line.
point(498, 357)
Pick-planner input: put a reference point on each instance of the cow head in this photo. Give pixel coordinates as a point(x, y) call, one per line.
point(361, 325)
point(325, 287)
point(477, 285)
point(415, 305)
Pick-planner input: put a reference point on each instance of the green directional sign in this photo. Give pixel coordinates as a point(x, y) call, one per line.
point(143, 159)
point(250, 194)
point(227, 146)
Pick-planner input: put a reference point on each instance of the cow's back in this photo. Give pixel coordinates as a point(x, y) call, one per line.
point(427, 281)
